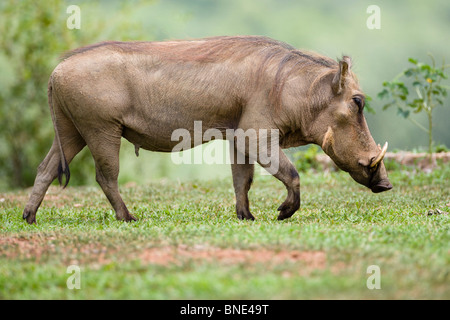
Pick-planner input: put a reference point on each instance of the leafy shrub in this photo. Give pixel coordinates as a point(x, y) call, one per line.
point(421, 93)
point(306, 160)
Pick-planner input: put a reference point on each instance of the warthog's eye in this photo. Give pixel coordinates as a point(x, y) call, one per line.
point(359, 101)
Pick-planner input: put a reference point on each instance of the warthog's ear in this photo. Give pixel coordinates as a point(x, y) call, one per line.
point(338, 83)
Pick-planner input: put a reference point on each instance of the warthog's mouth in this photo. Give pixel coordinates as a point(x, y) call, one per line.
point(380, 186)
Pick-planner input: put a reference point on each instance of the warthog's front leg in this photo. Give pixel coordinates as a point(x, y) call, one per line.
point(242, 181)
point(242, 172)
point(283, 169)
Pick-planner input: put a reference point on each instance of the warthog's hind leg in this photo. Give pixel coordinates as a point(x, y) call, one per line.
point(46, 173)
point(105, 150)
point(48, 170)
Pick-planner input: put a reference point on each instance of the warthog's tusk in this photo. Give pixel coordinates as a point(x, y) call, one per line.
point(380, 156)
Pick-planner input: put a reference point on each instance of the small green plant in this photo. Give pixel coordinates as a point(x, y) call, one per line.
point(421, 93)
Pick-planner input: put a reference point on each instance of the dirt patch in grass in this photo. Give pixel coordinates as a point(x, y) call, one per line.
point(182, 253)
point(43, 248)
point(39, 248)
point(25, 247)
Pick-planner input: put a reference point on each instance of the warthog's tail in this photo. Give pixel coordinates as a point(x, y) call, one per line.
point(63, 168)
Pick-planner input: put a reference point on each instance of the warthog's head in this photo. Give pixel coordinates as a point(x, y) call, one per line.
point(344, 134)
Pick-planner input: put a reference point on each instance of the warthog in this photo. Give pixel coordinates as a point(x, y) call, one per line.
point(143, 91)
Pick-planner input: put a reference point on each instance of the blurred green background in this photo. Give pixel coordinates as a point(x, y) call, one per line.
point(33, 34)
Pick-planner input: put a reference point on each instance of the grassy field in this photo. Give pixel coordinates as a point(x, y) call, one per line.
point(188, 243)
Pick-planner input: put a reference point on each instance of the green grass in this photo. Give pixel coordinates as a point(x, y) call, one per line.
point(188, 243)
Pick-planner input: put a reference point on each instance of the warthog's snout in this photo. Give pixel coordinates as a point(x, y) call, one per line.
point(372, 172)
point(379, 181)
point(380, 186)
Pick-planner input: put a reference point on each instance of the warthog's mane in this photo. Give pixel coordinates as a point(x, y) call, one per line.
point(266, 52)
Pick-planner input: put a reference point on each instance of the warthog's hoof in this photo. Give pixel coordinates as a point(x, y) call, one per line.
point(124, 215)
point(288, 209)
point(29, 216)
point(131, 218)
point(244, 215)
point(127, 218)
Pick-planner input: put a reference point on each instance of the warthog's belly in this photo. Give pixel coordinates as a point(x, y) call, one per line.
point(149, 142)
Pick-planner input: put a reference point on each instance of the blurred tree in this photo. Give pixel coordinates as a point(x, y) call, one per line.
point(33, 35)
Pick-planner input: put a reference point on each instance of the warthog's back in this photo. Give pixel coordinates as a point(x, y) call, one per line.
point(153, 88)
